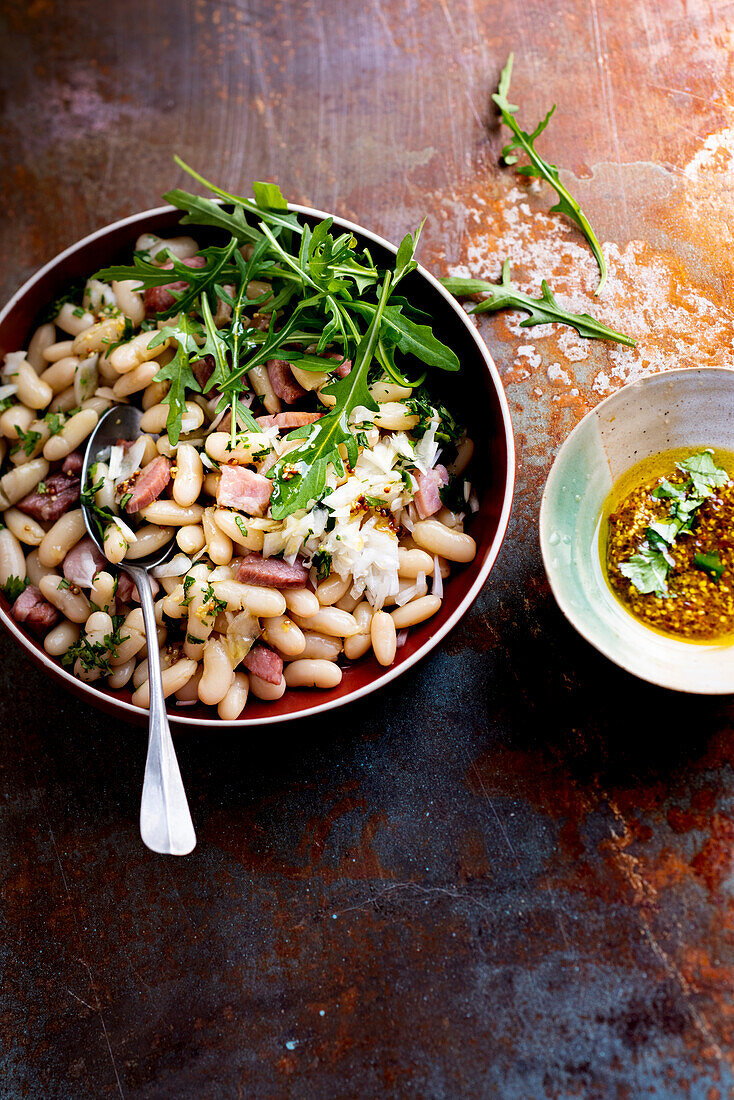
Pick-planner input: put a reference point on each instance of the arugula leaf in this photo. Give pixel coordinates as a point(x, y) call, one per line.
point(202, 211)
point(178, 371)
point(411, 338)
point(14, 586)
point(299, 476)
point(647, 570)
point(711, 564)
point(274, 217)
point(543, 311)
point(268, 196)
point(542, 169)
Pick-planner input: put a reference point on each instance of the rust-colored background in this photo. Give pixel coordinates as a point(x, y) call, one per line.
point(509, 875)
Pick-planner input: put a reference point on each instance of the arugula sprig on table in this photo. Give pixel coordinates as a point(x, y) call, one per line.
point(543, 311)
point(539, 168)
point(325, 294)
point(648, 569)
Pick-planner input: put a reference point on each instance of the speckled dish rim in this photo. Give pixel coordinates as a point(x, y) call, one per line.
point(108, 702)
point(577, 621)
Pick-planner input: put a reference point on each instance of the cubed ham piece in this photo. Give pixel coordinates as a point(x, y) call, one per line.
point(271, 572)
point(265, 663)
point(203, 369)
point(428, 499)
point(159, 298)
point(127, 592)
point(73, 463)
point(244, 489)
point(38, 614)
point(149, 484)
point(288, 419)
point(83, 562)
point(344, 368)
point(283, 382)
point(51, 497)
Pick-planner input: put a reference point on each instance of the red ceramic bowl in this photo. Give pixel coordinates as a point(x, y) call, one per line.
point(475, 396)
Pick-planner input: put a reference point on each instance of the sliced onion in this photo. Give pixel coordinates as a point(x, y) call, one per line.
point(131, 459)
point(8, 391)
point(86, 377)
point(176, 567)
point(401, 638)
point(128, 532)
point(437, 586)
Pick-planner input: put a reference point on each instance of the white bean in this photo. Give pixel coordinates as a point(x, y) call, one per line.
point(310, 673)
point(189, 475)
point(384, 392)
point(218, 673)
point(282, 634)
point(167, 513)
point(154, 394)
point(36, 570)
point(231, 706)
point(417, 611)
point(24, 528)
point(261, 689)
point(260, 382)
point(332, 589)
point(98, 337)
point(60, 538)
point(131, 355)
point(73, 319)
point(61, 638)
point(69, 602)
point(54, 352)
point(183, 248)
point(17, 416)
point(191, 539)
point(137, 379)
point(464, 452)
point(219, 545)
point(236, 527)
point(115, 544)
point(103, 590)
point(434, 537)
point(60, 375)
point(321, 647)
point(19, 482)
point(260, 601)
point(42, 338)
point(32, 391)
point(384, 637)
point(330, 620)
point(63, 401)
point(411, 563)
point(12, 558)
point(250, 447)
point(74, 432)
point(151, 538)
point(173, 679)
point(121, 674)
point(128, 300)
point(301, 601)
point(356, 646)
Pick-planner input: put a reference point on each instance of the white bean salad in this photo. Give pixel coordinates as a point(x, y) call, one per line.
point(315, 490)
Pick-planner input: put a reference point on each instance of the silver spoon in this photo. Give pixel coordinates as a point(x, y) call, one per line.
point(165, 820)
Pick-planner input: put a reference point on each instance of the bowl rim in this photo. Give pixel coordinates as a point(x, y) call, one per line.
point(567, 611)
point(390, 674)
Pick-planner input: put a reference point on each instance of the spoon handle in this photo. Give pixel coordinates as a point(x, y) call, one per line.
point(165, 820)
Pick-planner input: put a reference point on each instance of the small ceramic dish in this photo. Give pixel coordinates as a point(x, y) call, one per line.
point(475, 395)
point(690, 409)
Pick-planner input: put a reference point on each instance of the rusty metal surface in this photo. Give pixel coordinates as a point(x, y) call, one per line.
point(509, 875)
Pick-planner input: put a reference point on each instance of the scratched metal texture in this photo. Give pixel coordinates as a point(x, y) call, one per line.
point(510, 874)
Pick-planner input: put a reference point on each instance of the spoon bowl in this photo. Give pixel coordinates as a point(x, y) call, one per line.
point(165, 819)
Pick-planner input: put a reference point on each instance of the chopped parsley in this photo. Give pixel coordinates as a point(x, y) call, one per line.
point(14, 586)
point(322, 563)
point(26, 440)
point(711, 564)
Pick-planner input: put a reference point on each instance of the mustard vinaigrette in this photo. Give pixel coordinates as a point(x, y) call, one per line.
point(691, 576)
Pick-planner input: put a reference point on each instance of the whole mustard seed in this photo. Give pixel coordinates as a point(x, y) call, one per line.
point(698, 606)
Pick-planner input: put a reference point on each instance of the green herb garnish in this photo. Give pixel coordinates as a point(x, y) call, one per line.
point(14, 586)
point(542, 169)
point(543, 311)
point(96, 655)
point(711, 564)
point(322, 563)
point(26, 440)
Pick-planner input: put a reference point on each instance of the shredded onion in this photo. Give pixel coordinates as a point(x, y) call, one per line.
point(437, 586)
point(129, 461)
point(401, 638)
point(8, 391)
point(176, 567)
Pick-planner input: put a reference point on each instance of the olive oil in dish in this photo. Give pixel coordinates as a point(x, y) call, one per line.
point(666, 543)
